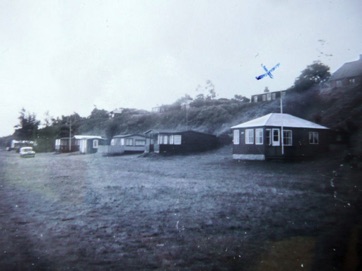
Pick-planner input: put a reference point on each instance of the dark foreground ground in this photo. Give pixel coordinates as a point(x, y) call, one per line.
point(197, 212)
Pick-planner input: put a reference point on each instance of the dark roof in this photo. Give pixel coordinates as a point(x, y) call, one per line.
point(349, 69)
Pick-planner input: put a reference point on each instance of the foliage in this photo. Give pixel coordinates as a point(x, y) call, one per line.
point(314, 74)
point(28, 126)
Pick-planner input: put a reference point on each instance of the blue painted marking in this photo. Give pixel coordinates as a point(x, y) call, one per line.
point(267, 72)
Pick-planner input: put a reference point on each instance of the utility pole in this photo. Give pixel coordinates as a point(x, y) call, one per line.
point(186, 105)
point(282, 128)
point(70, 134)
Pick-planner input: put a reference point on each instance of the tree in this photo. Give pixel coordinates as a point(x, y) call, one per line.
point(314, 74)
point(28, 127)
point(210, 88)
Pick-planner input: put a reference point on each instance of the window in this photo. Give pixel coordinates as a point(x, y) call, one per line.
point(177, 140)
point(255, 99)
point(162, 139)
point(140, 142)
point(263, 97)
point(287, 138)
point(121, 142)
point(113, 142)
point(259, 136)
point(313, 138)
point(268, 137)
point(352, 81)
point(171, 139)
point(236, 137)
point(95, 143)
point(269, 97)
point(129, 141)
point(249, 136)
point(165, 139)
point(274, 96)
point(275, 137)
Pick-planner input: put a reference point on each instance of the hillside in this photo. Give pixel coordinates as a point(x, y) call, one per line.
point(338, 109)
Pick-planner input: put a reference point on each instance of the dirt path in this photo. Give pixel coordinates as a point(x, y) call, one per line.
point(197, 212)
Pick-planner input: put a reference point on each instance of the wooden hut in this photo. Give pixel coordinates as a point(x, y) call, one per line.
point(66, 144)
point(131, 143)
point(180, 141)
point(89, 143)
point(278, 135)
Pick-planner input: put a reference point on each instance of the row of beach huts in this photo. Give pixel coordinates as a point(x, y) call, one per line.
point(274, 135)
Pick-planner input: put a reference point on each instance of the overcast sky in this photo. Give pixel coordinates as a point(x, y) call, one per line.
point(70, 56)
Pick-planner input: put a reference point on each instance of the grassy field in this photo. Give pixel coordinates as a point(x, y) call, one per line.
point(196, 212)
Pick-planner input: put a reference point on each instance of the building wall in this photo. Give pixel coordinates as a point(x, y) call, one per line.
point(62, 145)
point(266, 97)
point(123, 144)
point(89, 145)
point(189, 142)
point(297, 143)
point(345, 82)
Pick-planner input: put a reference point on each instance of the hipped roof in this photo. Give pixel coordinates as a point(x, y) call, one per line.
point(279, 120)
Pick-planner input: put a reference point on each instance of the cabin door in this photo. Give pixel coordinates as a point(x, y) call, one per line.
point(275, 137)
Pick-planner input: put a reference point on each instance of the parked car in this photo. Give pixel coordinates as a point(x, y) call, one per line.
point(27, 152)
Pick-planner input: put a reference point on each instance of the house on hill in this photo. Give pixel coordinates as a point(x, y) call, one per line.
point(350, 74)
point(278, 135)
point(267, 96)
point(174, 142)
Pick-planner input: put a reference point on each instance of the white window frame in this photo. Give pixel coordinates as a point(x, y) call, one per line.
point(177, 139)
point(236, 137)
point(95, 143)
point(288, 137)
point(128, 141)
point(259, 136)
point(249, 136)
point(275, 142)
point(313, 138)
point(140, 142)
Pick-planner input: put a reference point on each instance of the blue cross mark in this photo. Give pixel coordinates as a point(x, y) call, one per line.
point(267, 72)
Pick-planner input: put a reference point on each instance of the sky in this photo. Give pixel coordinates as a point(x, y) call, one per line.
point(58, 57)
